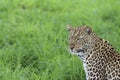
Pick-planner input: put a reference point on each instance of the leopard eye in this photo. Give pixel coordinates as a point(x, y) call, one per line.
point(78, 39)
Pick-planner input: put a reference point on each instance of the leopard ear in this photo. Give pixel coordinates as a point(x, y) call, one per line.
point(69, 28)
point(88, 30)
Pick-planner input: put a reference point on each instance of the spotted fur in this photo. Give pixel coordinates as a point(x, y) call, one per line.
point(100, 60)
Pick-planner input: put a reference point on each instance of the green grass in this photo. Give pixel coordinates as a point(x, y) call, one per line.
point(33, 36)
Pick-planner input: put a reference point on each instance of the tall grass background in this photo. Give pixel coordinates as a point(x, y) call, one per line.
point(33, 36)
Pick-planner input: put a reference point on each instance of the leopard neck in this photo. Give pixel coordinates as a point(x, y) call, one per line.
point(98, 46)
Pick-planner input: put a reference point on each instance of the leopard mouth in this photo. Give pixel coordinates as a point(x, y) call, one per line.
point(79, 51)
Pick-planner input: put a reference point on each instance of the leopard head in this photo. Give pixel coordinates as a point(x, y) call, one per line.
point(80, 39)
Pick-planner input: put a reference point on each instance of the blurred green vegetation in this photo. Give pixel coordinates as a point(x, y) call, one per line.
point(33, 36)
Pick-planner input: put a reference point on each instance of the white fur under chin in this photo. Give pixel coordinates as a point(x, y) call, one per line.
point(85, 68)
point(81, 56)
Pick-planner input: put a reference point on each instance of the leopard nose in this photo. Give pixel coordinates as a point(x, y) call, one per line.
point(71, 47)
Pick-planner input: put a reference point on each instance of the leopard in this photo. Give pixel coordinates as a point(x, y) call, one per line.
point(100, 60)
